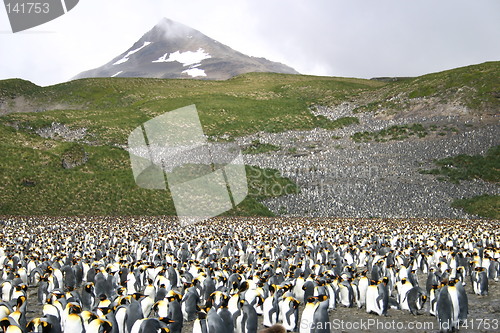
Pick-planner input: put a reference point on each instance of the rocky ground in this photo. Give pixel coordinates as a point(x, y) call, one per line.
point(339, 177)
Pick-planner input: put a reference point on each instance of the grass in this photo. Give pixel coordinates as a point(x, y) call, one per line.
point(35, 183)
point(484, 205)
point(467, 167)
point(112, 107)
point(476, 87)
point(401, 132)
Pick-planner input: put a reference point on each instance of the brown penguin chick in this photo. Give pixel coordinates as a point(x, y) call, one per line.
point(277, 328)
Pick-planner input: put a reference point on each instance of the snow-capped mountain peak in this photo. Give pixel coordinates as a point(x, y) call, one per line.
point(174, 50)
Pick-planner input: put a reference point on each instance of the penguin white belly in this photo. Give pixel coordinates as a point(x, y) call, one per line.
point(163, 309)
point(432, 303)
point(307, 319)
point(184, 312)
point(146, 305)
point(232, 305)
point(362, 287)
point(298, 292)
point(402, 296)
point(371, 300)
point(331, 297)
point(120, 319)
point(456, 307)
point(344, 296)
point(238, 327)
point(74, 324)
point(197, 326)
point(137, 326)
point(269, 319)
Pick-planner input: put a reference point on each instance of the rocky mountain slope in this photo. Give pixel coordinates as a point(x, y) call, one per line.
point(174, 50)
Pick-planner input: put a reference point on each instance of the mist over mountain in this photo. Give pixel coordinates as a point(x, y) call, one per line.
point(174, 50)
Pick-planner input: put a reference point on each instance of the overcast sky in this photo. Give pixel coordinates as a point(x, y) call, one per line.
point(354, 38)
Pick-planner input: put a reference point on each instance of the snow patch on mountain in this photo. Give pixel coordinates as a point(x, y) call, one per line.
point(114, 75)
point(185, 58)
point(126, 57)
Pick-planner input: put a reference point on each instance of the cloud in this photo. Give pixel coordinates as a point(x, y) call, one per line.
point(322, 37)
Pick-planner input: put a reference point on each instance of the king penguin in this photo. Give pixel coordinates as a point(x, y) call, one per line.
point(270, 307)
point(377, 298)
point(480, 281)
point(189, 305)
point(415, 298)
point(215, 322)
point(200, 323)
point(307, 319)
point(245, 319)
point(463, 301)
point(445, 311)
point(290, 312)
point(225, 315)
point(320, 318)
point(175, 314)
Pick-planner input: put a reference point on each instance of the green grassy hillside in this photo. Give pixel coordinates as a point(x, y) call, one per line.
point(112, 107)
point(476, 87)
point(34, 181)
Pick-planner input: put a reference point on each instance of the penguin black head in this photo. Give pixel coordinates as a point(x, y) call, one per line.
point(105, 310)
point(36, 323)
point(137, 296)
point(105, 327)
point(4, 323)
point(74, 308)
point(312, 299)
point(244, 286)
point(20, 301)
point(241, 302)
point(202, 315)
point(166, 320)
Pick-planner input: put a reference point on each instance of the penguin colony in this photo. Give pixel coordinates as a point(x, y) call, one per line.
point(244, 275)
